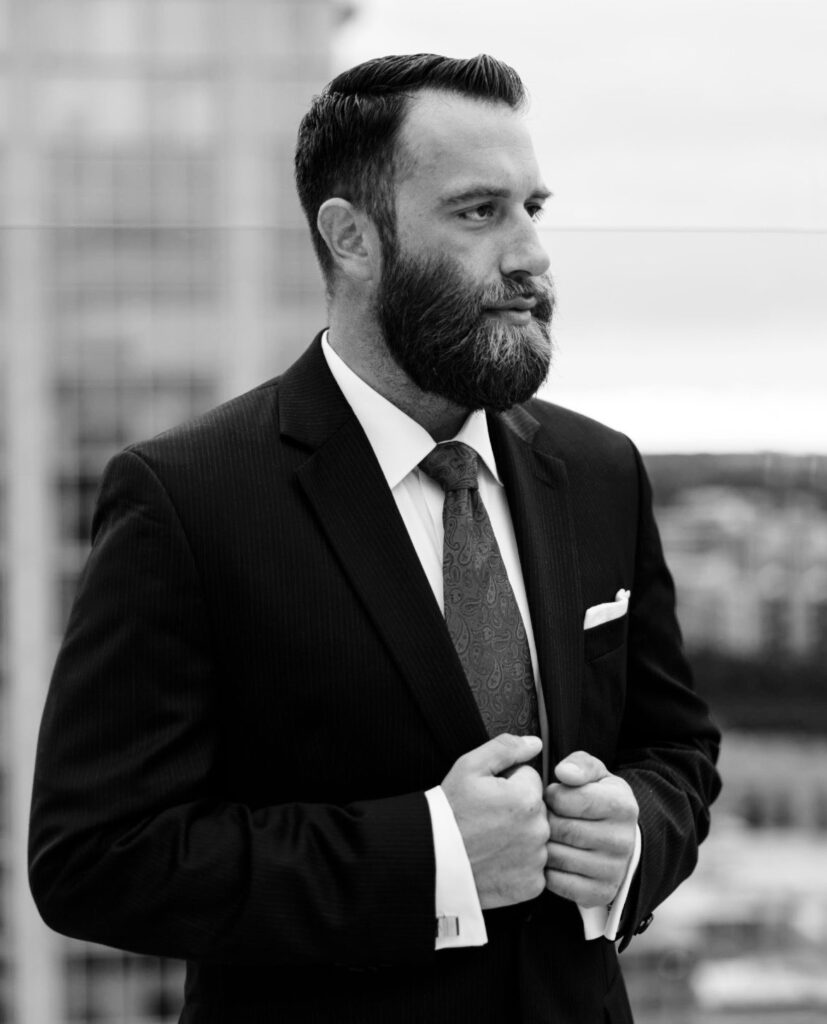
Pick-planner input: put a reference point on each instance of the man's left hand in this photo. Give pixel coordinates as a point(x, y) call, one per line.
point(592, 817)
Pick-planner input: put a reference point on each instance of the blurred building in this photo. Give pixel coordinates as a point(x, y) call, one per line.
point(751, 570)
point(745, 938)
point(153, 261)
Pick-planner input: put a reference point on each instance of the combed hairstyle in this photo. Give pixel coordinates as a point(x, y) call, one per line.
point(346, 143)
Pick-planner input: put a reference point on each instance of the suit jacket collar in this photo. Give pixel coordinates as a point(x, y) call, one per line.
point(350, 498)
point(348, 494)
point(311, 406)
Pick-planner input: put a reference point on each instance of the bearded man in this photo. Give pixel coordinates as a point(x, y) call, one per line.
point(372, 705)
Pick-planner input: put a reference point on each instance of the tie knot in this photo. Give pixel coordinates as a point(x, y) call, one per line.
point(453, 465)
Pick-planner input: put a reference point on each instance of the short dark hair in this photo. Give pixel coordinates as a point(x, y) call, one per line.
point(346, 144)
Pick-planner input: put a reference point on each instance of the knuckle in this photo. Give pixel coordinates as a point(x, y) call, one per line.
point(529, 780)
point(607, 894)
point(519, 777)
point(528, 803)
point(538, 884)
point(615, 845)
point(535, 783)
point(621, 809)
point(537, 842)
point(609, 805)
point(621, 843)
point(564, 830)
point(560, 883)
point(530, 884)
point(556, 798)
point(553, 859)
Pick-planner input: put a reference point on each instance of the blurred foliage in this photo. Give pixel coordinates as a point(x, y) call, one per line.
point(777, 475)
point(774, 694)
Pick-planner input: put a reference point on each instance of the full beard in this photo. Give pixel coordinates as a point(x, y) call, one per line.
point(436, 328)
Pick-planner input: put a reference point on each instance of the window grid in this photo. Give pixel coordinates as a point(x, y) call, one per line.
point(129, 121)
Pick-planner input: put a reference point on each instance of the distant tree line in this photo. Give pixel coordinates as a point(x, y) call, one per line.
point(778, 692)
point(774, 694)
point(777, 475)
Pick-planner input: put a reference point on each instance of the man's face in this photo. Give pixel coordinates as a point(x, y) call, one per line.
point(465, 303)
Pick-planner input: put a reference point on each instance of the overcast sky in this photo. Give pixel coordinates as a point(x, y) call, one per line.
point(686, 144)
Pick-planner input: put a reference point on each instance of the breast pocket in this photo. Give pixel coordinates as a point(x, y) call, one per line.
point(600, 640)
point(604, 687)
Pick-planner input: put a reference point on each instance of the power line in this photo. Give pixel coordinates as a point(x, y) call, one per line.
point(675, 229)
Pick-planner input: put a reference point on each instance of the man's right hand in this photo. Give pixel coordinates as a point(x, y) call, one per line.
point(497, 800)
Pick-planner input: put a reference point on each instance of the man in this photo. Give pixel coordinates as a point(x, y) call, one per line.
point(318, 663)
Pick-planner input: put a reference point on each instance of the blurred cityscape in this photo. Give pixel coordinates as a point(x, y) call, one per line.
point(153, 261)
point(745, 939)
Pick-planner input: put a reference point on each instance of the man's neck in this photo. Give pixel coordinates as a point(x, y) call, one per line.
point(364, 351)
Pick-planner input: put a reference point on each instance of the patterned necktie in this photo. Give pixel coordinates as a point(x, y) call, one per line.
point(480, 609)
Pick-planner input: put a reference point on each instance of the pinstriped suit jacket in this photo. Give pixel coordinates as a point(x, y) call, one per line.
point(256, 688)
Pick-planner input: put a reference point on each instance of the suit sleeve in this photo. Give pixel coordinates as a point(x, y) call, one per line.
point(129, 843)
point(669, 746)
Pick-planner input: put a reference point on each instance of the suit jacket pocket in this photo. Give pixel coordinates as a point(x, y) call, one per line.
point(604, 688)
point(604, 638)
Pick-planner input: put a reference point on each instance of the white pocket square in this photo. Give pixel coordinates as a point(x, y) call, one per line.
point(601, 613)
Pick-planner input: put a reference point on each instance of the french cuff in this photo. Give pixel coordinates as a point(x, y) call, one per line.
point(459, 921)
point(603, 922)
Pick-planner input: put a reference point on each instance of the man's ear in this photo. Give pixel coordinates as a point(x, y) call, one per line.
point(351, 238)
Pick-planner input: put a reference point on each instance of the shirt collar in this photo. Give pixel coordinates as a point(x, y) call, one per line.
point(398, 441)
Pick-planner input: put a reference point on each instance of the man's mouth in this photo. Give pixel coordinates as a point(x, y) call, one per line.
point(519, 304)
point(515, 311)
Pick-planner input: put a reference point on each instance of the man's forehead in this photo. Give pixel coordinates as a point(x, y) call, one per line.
point(438, 117)
point(454, 134)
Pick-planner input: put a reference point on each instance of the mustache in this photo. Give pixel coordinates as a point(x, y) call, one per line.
point(540, 289)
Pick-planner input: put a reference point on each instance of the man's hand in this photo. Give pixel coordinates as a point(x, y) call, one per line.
point(592, 818)
point(497, 801)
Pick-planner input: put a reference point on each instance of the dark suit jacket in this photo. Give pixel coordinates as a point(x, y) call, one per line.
point(256, 687)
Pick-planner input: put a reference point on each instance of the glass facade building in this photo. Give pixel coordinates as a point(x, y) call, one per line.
point(153, 261)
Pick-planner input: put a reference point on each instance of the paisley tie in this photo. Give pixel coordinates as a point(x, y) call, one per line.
point(480, 609)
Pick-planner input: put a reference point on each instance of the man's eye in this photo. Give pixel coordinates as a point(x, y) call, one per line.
point(479, 213)
point(536, 211)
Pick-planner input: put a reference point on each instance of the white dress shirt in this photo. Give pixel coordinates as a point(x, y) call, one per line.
point(400, 444)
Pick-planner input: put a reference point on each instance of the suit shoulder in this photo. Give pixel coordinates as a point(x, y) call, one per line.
point(574, 434)
point(222, 433)
point(605, 472)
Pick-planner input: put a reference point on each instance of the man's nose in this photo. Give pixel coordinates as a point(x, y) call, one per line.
point(525, 254)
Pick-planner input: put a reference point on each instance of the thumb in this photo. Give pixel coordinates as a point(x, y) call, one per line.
point(502, 752)
point(580, 768)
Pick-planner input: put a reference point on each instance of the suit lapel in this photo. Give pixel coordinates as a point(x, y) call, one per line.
point(354, 506)
point(536, 483)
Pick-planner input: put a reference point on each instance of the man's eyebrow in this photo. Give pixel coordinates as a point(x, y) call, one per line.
point(477, 193)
